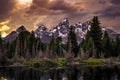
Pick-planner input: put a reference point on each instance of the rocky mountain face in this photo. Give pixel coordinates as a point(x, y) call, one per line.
point(61, 30)
point(13, 35)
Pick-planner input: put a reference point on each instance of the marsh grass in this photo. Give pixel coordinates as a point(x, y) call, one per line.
point(93, 62)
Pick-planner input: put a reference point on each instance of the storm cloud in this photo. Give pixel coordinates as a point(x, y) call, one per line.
point(51, 12)
point(55, 7)
point(6, 8)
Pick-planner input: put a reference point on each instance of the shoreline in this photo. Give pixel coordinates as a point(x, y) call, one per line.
point(52, 64)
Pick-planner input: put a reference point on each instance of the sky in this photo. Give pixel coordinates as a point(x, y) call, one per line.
point(32, 13)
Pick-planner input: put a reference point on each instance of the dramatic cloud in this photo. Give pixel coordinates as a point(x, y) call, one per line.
point(4, 28)
point(6, 8)
point(111, 12)
point(52, 7)
point(13, 13)
point(115, 2)
point(54, 11)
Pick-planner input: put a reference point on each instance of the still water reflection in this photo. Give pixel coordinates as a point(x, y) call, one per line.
point(71, 73)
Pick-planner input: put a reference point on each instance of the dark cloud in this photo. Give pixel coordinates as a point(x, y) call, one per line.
point(63, 6)
point(56, 7)
point(102, 1)
point(117, 28)
point(50, 12)
point(6, 7)
point(54, 11)
point(115, 2)
point(39, 7)
point(109, 12)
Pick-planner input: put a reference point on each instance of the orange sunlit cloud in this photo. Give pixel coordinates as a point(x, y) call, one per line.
point(5, 22)
point(4, 34)
point(4, 28)
point(29, 12)
point(23, 4)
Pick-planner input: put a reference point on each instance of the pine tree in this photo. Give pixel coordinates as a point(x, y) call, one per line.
point(54, 47)
point(1, 46)
point(72, 40)
point(117, 47)
point(59, 47)
point(106, 45)
point(10, 47)
point(96, 35)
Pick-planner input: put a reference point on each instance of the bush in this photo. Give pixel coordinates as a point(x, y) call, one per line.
point(45, 64)
point(92, 61)
point(41, 64)
point(62, 62)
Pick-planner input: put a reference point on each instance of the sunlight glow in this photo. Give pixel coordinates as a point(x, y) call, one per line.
point(4, 28)
point(25, 2)
point(5, 22)
point(51, 0)
point(3, 34)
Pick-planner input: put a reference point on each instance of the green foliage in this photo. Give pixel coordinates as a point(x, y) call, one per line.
point(92, 42)
point(117, 47)
point(96, 34)
point(72, 42)
point(28, 47)
point(10, 49)
point(116, 59)
point(62, 62)
point(93, 61)
point(41, 64)
point(88, 46)
point(107, 47)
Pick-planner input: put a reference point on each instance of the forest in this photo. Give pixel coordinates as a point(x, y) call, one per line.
point(26, 46)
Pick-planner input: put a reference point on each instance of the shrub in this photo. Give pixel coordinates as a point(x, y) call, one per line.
point(62, 62)
point(92, 61)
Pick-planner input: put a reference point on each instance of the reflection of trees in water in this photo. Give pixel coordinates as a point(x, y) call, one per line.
point(73, 73)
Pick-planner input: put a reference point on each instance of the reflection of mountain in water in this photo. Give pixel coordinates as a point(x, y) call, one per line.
point(73, 73)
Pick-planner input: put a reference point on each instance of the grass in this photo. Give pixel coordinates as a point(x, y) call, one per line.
point(93, 62)
point(61, 62)
point(46, 64)
point(115, 59)
point(41, 63)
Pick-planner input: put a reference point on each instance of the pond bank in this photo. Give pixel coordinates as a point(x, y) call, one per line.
point(47, 64)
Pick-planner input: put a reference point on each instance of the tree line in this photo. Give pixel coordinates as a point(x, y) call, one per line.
point(95, 44)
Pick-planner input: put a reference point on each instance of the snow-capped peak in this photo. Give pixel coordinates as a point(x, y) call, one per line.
point(65, 22)
point(61, 30)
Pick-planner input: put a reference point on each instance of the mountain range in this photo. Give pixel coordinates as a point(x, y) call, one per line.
point(61, 30)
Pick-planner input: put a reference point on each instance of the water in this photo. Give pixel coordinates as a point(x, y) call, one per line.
point(70, 73)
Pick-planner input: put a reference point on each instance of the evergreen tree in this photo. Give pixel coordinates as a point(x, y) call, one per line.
point(72, 42)
point(88, 47)
point(117, 47)
point(1, 46)
point(96, 35)
point(1, 42)
point(10, 46)
point(59, 47)
point(113, 46)
point(106, 45)
point(51, 50)
point(31, 44)
point(85, 42)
